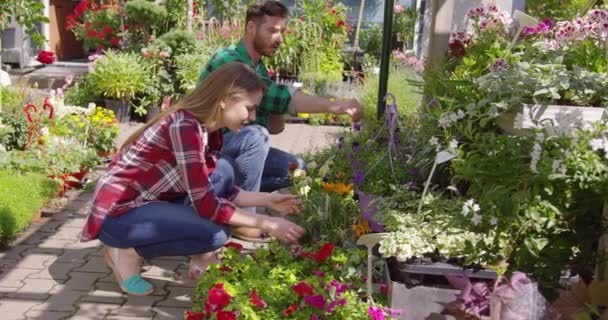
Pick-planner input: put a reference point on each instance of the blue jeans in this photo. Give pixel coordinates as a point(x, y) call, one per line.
point(258, 167)
point(160, 229)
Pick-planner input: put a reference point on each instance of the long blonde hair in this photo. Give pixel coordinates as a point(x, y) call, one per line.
point(230, 80)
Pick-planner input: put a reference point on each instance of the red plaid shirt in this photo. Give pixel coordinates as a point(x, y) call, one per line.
point(172, 158)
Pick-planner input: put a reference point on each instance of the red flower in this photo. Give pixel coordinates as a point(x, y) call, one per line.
point(287, 312)
point(292, 166)
point(217, 298)
point(115, 41)
point(91, 33)
point(226, 315)
point(45, 57)
point(225, 269)
point(101, 35)
point(270, 73)
point(125, 27)
point(191, 315)
point(255, 300)
point(234, 245)
point(302, 289)
point(333, 11)
point(88, 25)
point(324, 252)
point(108, 30)
point(341, 23)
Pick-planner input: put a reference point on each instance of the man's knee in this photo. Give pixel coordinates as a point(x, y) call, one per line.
point(255, 135)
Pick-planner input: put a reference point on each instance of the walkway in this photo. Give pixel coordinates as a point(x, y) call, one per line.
point(48, 274)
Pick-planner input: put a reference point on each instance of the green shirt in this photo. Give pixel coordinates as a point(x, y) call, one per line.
point(277, 97)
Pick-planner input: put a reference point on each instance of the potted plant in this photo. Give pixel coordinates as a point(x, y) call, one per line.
point(119, 76)
point(162, 81)
point(96, 23)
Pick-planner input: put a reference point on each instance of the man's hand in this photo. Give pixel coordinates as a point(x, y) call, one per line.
point(283, 203)
point(351, 107)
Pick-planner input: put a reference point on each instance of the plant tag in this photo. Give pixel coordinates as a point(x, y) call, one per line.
point(524, 19)
point(444, 156)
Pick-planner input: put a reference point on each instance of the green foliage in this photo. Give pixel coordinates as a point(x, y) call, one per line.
point(144, 12)
point(176, 12)
point(119, 75)
point(13, 123)
point(371, 40)
point(404, 21)
point(28, 13)
point(556, 9)
point(21, 196)
point(238, 275)
point(189, 67)
point(81, 93)
point(177, 42)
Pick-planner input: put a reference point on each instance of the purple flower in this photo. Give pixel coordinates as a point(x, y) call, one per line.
point(338, 287)
point(357, 126)
point(334, 304)
point(359, 177)
point(413, 172)
point(318, 273)
point(376, 313)
point(316, 301)
point(356, 145)
point(355, 164)
point(314, 317)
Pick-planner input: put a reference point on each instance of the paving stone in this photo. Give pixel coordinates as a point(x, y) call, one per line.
point(108, 293)
point(94, 264)
point(16, 251)
point(74, 223)
point(169, 313)
point(6, 264)
point(67, 233)
point(55, 244)
point(14, 277)
point(58, 271)
point(170, 265)
point(76, 256)
point(15, 308)
point(60, 301)
point(51, 226)
point(46, 315)
point(179, 297)
point(35, 238)
point(181, 278)
point(158, 273)
point(34, 289)
point(82, 281)
point(111, 317)
point(95, 244)
point(138, 307)
point(89, 311)
point(7, 291)
point(35, 261)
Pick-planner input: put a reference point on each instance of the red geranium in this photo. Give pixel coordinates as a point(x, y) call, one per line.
point(234, 245)
point(217, 298)
point(324, 252)
point(303, 289)
point(226, 315)
point(45, 57)
point(255, 300)
point(287, 312)
point(191, 315)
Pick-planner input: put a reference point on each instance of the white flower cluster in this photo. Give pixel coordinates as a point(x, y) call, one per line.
point(600, 144)
point(558, 167)
point(594, 26)
point(406, 243)
point(489, 17)
point(536, 151)
point(65, 110)
point(499, 65)
point(471, 207)
point(450, 118)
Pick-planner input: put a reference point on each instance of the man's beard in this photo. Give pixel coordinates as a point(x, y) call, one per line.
point(262, 48)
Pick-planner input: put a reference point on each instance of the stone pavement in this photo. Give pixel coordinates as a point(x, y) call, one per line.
point(48, 274)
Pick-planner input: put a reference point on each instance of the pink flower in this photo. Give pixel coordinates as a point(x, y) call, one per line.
point(398, 8)
point(164, 54)
point(318, 273)
point(339, 288)
point(316, 301)
point(376, 313)
point(384, 289)
point(333, 304)
point(255, 300)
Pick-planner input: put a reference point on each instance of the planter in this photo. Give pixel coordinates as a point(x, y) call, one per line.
point(562, 118)
point(121, 108)
point(68, 183)
point(152, 112)
point(422, 290)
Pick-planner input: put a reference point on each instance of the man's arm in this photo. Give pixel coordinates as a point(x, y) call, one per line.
point(305, 103)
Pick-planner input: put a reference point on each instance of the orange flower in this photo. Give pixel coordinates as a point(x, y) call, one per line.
point(339, 188)
point(362, 228)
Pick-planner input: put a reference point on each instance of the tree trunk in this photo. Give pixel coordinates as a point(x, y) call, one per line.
point(357, 30)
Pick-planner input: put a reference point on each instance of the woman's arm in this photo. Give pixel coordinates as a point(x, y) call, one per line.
point(282, 203)
point(282, 229)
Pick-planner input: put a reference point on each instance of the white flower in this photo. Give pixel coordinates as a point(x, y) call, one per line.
point(2, 148)
point(44, 131)
point(469, 206)
point(598, 144)
point(453, 145)
point(299, 173)
point(536, 152)
point(434, 141)
point(494, 221)
point(312, 165)
point(476, 219)
point(304, 190)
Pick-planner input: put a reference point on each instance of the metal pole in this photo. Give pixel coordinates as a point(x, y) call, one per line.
point(387, 34)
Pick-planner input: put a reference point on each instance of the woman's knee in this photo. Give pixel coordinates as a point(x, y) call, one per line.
point(255, 136)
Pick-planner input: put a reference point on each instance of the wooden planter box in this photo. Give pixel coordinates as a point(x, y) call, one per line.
point(561, 117)
point(422, 290)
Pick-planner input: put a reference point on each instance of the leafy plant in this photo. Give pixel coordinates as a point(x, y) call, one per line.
point(27, 13)
point(323, 283)
point(119, 75)
point(176, 42)
point(97, 23)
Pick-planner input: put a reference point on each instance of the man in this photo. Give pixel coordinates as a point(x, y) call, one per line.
point(264, 26)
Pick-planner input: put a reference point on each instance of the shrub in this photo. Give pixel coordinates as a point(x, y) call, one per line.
point(81, 93)
point(177, 42)
point(147, 13)
point(119, 75)
point(20, 197)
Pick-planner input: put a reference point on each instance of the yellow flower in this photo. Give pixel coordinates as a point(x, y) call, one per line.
point(361, 228)
point(339, 188)
point(81, 124)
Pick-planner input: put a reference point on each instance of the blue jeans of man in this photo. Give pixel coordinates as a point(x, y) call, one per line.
point(160, 229)
point(258, 167)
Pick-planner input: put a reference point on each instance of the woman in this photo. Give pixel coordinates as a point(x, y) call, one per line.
point(165, 194)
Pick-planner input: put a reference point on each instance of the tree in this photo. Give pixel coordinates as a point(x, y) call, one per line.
point(557, 9)
point(27, 13)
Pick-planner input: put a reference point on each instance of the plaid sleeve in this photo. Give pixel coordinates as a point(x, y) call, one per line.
point(277, 97)
point(188, 146)
point(217, 60)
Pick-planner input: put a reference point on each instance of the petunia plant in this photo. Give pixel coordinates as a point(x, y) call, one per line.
point(277, 283)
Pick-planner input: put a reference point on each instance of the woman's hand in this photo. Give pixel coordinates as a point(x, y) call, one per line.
point(283, 203)
point(282, 229)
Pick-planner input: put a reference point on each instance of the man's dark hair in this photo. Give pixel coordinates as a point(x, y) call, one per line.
point(272, 8)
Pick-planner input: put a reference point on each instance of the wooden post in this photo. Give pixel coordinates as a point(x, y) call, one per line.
point(357, 30)
point(189, 15)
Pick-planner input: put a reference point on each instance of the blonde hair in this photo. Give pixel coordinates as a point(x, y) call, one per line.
point(229, 81)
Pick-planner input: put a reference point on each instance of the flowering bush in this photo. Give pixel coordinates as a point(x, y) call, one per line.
point(404, 20)
point(96, 23)
point(318, 284)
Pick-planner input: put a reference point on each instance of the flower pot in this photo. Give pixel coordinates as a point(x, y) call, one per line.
point(121, 108)
point(68, 183)
point(152, 112)
point(521, 120)
point(423, 290)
